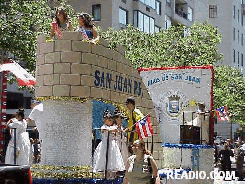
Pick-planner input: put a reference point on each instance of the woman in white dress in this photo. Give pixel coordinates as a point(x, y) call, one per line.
point(115, 160)
point(120, 137)
point(23, 147)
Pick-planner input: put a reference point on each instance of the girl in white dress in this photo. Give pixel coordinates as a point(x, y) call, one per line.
point(120, 137)
point(23, 147)
point(115, 160)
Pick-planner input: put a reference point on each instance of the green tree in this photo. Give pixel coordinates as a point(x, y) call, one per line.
point(229, 89)
point(168, 47)
point(21, 22)
point(172, 47)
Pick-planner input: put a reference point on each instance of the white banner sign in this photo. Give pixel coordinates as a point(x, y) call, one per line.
point(175, 90)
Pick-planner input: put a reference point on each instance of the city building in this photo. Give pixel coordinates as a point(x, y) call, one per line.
point(229, 17)
point(152, 15)
point(148, 15)
point(225, 129)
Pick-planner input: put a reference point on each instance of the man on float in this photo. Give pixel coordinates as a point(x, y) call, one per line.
point(134, 116)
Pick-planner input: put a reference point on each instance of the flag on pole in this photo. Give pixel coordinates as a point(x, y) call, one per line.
point(144, 127)
point(56, 29)
point(23, 77)
point(222, 113)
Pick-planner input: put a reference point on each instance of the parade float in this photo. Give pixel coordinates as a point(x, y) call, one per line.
point(183, 102)
point(76, 82)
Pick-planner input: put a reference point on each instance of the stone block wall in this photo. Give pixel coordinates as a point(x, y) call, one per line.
point(69, 67)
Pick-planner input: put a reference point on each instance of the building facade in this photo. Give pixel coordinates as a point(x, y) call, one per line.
point(229, 17)
point(148, 15)
point(152, 15)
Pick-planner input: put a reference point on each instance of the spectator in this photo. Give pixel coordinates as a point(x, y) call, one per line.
point(35, 150)
point(225, 158)
point(35, 115)
point(7, 137)
point(239, 161)
point(23, 147)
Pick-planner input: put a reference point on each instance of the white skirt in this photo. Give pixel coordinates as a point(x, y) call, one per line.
point(115, 160)
point(25, 150)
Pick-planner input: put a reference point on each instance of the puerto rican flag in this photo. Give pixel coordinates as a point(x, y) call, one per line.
point(144, 127)
point(222, 113)
point(56, 29)
point(23, 77)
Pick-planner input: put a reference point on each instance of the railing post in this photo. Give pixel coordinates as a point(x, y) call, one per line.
point(14, 146)
point(106, 166)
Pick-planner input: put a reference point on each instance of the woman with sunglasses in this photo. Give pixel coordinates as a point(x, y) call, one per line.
point(141, 167)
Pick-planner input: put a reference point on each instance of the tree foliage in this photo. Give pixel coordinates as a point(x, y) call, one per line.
point(21, 22)
point(171, 47)
point(168, 47)
point(229, 89)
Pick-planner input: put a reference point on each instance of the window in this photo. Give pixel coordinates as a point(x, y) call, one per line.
point(150, 3)
point(144, 22)
point(157, 29)
point(234, 56)
point(151, 25)
point(238, 15)
point(241, 59)
point(96, 12)
point(234, 11)
point(234, 34)
point(158, 7)
point(167, 22)
point(190, 13)
point(141, 21)
point(242, 39)
point(122, 16)
point(212, 11)
point(238, 36)
point(168, 3)
point(138, 20)
point(238, 59)
point(242, 19)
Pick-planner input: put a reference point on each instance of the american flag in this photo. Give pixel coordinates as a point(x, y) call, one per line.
point(23, 77)
point(144, 127)
point(222, 113)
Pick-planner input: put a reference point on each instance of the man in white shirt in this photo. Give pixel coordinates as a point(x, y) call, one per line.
point(35, 115)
